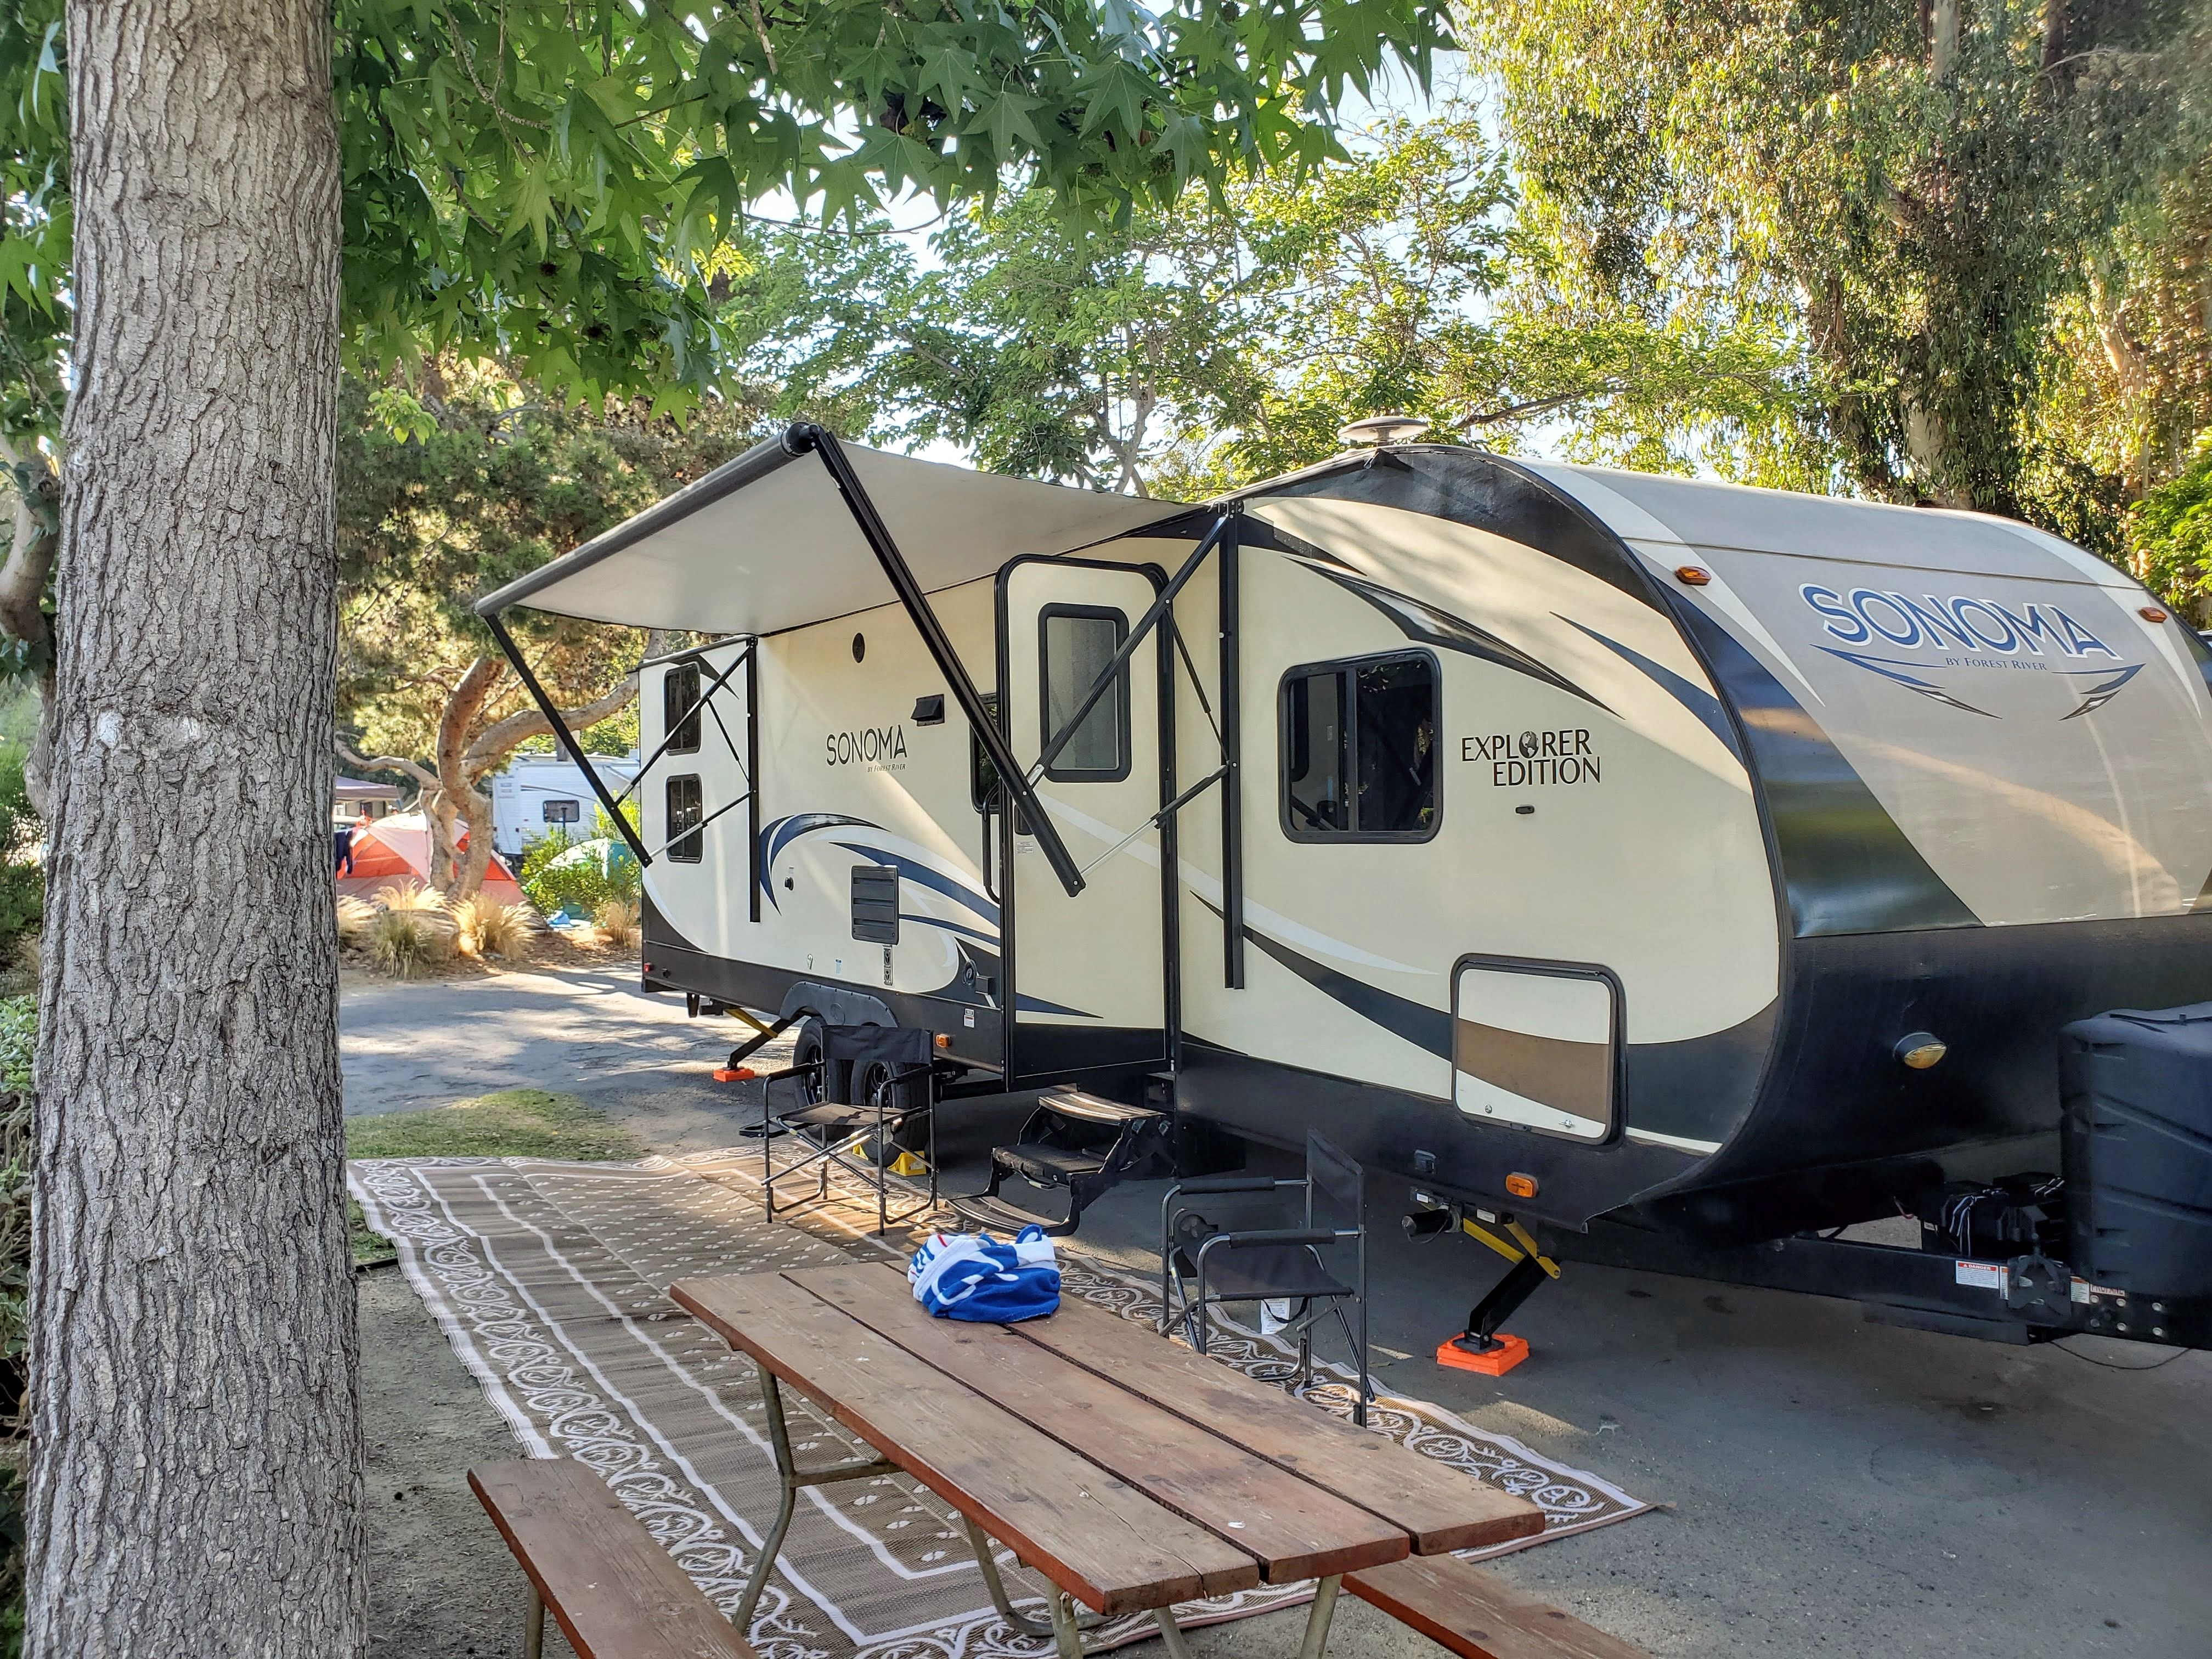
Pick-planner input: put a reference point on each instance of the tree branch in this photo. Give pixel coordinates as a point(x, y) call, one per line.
point(499, 739)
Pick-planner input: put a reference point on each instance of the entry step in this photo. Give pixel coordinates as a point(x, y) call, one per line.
point(1082, 1143)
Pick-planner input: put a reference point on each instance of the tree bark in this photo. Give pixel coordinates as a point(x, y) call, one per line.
point(196, 1480)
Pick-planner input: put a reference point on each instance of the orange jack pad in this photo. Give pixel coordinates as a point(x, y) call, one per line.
point(724, 1074)
point(1499, 1360)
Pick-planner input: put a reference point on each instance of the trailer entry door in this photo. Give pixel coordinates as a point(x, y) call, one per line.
point(1087, 973)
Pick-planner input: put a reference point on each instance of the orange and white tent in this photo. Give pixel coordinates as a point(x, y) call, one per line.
point(396, 849)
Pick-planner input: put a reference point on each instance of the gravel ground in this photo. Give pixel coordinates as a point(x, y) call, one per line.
point(1834, 1487)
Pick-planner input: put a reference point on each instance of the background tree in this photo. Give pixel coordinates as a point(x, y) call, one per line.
point(446, 494)
point(1906, 189)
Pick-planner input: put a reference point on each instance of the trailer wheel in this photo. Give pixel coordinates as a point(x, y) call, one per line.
point(913, 1136)
point(806, 1050)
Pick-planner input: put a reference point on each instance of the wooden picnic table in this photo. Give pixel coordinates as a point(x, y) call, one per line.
point(1132, 1473)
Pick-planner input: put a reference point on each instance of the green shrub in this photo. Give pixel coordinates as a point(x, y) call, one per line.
point(582, 884)
point(22, 878)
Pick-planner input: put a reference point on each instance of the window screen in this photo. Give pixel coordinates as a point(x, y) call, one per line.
point(1076, 644)
point(679, 713)
point(1359, 750)
point(686, 808)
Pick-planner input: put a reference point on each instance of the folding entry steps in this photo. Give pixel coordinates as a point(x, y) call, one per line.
point(1079, 1141)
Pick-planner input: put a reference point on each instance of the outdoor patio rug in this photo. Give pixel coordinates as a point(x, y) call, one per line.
point(549, 1278)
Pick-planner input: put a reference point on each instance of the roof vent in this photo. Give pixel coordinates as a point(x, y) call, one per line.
point(1384, 429)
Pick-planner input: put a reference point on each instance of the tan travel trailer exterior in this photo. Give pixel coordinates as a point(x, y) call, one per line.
point(1609, 832)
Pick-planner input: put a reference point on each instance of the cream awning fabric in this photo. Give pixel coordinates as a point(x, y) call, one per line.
point(765, 541)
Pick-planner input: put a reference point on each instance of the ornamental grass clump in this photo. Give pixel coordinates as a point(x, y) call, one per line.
point(482, 926)
point(407, 941)
point(616, 921)
point(356, 917)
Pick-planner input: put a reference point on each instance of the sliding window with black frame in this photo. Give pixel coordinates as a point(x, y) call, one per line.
point(1359, 749)
point(687, 809)
point(679, 709)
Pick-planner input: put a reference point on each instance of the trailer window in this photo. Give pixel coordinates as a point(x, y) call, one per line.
point(679, 713)
point(1358, 745)
point(562, 811)
point(1075, 644)
point(686, 808)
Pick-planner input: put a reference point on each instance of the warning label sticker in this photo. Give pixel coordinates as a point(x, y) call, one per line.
point(1985, 1275)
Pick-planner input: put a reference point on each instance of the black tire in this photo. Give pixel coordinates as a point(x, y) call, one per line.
point(911, 1136)
point(806, 1050)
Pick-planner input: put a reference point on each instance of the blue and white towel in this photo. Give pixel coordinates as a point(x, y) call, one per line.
point(972, 1276)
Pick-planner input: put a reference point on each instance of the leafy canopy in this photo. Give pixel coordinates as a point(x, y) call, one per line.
point(1904, 190)
point(1203, 346)
point(551, 186)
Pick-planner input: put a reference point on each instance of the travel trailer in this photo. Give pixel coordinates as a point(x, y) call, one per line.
point(548, 794)
point(1678, 870)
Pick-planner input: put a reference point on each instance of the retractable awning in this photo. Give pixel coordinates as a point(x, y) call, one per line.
point(761, 545)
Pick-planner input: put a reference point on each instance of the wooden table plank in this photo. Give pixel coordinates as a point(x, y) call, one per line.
point(1478, 1615)
point(1096, 1537)
point(1297, 1530)
point(615, 1592)
point(1441, 1507)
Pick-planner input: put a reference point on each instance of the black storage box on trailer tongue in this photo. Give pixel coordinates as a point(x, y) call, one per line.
point(2138, 1095)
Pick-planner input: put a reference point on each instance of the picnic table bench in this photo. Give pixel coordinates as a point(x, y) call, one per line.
point(1129, 1473)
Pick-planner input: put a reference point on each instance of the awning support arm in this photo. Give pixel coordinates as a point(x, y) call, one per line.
point(1163, 815)
point(1150, 620)
point(804, 436)
point(693, 829)
point(513, 654)
point(677, 724)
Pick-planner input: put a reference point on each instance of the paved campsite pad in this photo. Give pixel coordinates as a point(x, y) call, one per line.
point(548, 1279)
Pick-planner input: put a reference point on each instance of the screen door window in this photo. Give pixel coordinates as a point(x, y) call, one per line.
point(680, 711)
point(1077, 644)
point(686, 808)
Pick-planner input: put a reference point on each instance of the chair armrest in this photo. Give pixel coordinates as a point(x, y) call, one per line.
point(811, 1067)
point(1232, 1184)
point(1316, 1236)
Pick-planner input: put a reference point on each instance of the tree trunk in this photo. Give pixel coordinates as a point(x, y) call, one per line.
point(462, 769)
point(195, 1480)
point(458, 788)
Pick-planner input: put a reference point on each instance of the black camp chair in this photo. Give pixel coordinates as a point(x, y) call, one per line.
point(1200, 1266)
point(888, 1080)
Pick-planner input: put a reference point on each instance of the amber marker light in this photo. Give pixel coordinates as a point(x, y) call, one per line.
point(1521, 1186)
point(945, 1039)
point(1920, 1049)
point(2152, 613)
point(1692, 575)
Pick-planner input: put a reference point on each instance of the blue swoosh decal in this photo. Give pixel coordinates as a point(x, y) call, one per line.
point(1890, 669)
point(776, 836)
point(2098, 696)
point(921, 875)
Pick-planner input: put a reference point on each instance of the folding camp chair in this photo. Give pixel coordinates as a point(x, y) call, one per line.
point(1200, 1266)
point(888, 1076)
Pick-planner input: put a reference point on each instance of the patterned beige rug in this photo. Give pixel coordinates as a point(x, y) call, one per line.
point(549, 1280)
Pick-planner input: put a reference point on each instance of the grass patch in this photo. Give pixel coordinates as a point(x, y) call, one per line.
point(511, 1123)
point(370, 1248)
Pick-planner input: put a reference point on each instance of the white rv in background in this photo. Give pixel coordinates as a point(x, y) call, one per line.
point(540, 794)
